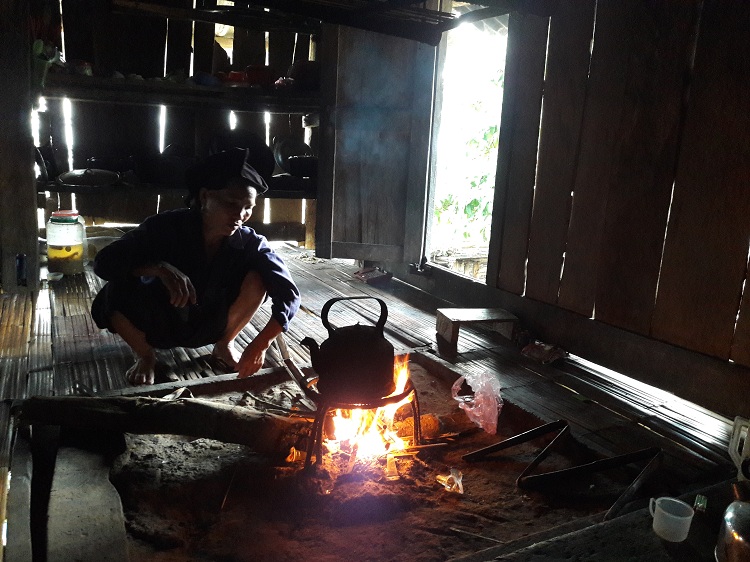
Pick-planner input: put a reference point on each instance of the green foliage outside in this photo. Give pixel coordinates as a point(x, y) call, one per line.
point(463, 211)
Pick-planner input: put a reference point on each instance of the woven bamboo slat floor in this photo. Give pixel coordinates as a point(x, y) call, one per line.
point(49, 345)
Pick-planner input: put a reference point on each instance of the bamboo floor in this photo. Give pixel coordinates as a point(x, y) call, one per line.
point(50, 346)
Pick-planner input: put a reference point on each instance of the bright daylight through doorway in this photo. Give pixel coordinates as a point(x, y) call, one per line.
point(467, 130)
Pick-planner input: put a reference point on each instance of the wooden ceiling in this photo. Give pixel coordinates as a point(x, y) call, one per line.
point(400, 18)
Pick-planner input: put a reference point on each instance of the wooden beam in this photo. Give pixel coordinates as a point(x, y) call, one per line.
point(19, 271)
point(263, 432)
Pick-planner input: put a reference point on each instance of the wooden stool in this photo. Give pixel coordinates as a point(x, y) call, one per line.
point(449, 320)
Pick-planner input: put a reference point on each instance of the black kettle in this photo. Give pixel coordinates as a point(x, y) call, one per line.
point(355, 364)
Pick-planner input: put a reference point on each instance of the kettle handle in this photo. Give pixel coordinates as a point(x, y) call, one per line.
point(327, 306)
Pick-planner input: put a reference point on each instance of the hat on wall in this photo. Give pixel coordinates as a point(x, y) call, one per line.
point(217, 170)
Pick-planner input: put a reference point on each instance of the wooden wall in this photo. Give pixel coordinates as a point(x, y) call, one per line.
point(620, 226)
point(633, 209)
point(18, 230)
point(135, 44)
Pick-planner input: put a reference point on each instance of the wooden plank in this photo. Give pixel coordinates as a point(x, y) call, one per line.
point(208, 124)
point(372, 139)
point(93, 124)
point(570, 35)
point(248, 47)
point(519, 135)
point(180, 129)
point(705, 252)
point(115, 35)
point(415, 215)
point(599, 139)
point(18, 222)
point(203, 41)
point(286, 210)
point(79, 29)
point(252, 122)
point(328, 88)
point(661, 41)
point(310, 223)
point(179, 39)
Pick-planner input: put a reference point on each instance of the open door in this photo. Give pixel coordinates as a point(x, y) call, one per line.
point(377, 95)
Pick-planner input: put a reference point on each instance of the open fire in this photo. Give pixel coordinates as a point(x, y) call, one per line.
point(369, 433)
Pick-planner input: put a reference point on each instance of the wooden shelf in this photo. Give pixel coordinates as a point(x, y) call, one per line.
point(162, 92)
point(281, 186)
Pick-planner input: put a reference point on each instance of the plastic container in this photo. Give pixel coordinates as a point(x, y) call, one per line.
point(66, 242)
point(672, 518)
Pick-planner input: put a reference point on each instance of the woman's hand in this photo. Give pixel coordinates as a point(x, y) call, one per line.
point(252, 359)
point(181, 290)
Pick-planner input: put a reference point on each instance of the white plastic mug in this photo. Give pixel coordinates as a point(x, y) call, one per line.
point(672, 518)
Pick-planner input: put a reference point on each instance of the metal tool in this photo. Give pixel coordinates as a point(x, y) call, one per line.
point(305, 382)
point(530, 481)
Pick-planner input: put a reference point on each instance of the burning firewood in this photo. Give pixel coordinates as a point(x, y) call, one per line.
point(263, 432)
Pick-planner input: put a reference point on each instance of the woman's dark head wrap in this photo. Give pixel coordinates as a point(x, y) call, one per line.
point(216, 171)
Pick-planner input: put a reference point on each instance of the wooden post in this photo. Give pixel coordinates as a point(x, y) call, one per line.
point(18, 223)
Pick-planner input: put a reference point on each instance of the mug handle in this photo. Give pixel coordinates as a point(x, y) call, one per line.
point(652, 506)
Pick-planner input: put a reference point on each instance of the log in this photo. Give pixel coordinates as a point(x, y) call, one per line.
point(265, 433)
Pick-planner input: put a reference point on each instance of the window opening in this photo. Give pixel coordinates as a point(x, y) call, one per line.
point(467, 124)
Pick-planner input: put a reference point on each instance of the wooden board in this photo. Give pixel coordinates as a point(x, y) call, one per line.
point(373, 166)
point(116, 34)
point(328, 88)
point(570, 35)
point(180, 129)
point(179, 41)
point(519, 136)
point(18, 222)
point(249, 47)
point(79, 28)
point(705, 253)
point(373, 212)
point(661, 39)
point(598, 141)
point(203, 41)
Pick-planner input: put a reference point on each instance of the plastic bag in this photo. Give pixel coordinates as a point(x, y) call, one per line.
point(484, 407)
point(452, 482)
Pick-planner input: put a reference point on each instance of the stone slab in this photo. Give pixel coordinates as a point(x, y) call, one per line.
point(85, 518)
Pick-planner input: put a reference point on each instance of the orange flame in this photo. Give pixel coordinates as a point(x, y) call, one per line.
point(370, 432)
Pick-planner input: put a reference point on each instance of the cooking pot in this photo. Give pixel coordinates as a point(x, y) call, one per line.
point(88, 180)
point(355, 364)
point(286, 147)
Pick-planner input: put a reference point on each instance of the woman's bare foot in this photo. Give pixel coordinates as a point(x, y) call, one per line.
point(226, 354)
point(142, 372)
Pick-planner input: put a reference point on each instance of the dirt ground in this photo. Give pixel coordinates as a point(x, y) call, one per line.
point(197, 499)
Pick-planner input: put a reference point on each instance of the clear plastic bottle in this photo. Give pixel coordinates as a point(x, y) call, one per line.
point(66, 240)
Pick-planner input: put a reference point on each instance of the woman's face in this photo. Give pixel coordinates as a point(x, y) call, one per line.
point(225, 210)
